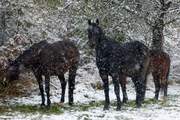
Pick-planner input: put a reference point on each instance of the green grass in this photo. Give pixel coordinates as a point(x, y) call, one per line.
point(150, 101)
point(59, 109)
point(54, 109)
point(84, 107)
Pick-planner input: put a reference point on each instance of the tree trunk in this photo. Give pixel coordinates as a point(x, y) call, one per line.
point(158, 36)
point(158, 27)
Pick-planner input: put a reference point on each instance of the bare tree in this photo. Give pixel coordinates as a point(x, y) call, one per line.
point(158, 26)
point(156, 14)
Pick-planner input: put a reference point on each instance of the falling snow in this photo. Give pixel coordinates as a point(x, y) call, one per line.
point(25, 22)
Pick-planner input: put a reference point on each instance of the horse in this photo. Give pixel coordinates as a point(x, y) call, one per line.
point(118, 60)
point(49, 59)
point(159, 67)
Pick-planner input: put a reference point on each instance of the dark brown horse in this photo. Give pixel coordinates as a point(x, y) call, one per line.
point(159, 67)
point(46, 59)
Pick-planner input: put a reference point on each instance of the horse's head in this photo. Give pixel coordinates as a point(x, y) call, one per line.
point(13, 71)
point(17, 66)
point(26, 60)
point(94, 33)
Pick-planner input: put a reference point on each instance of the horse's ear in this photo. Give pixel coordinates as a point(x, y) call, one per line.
point(97, 21)
point(89, 21)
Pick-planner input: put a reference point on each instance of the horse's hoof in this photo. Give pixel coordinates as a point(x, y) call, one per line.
point(62, 101)
point(118, 106)
point(48, 107)
point(42, 105)
point(138, 105)
point(71, 103)
point(118, 109)
point(155, 99)
point(106, 107)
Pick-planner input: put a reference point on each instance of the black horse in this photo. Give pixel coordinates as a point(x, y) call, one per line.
point(119, 60)
point(46, 59)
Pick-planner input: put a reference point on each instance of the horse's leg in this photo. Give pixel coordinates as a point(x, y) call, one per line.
point(115, 78)
point(122, 80)
point(167, 76)
point(63, 86)
point(47, 89)
point(166, 87)
point(157, 85)
point(71, 82)
point(40, 82)
point(104, 77)
point(140, 89)
point(166, 81)
point(164, 84)
point(145, 83)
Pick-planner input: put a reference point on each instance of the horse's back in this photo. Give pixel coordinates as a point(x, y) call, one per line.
point(135, 47)
point(113, 49)
point(59, 56)
point(133, 58)
point(65, 49)
point(39, 45)
point(160, 61)
point(132, 53)
point(129, 57)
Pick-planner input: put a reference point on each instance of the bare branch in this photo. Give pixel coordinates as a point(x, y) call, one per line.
point(162, 2)
point(167, 6)
point(171, 21)
point(148, 22)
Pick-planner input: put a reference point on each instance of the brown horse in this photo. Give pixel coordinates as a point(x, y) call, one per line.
point(46, 59)
point(159, 67)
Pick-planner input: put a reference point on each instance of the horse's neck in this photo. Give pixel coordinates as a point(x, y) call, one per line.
point(20, 60)
point(100, 42)
point(101, 46)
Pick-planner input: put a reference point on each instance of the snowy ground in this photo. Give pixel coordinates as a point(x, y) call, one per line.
point(85, 93)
